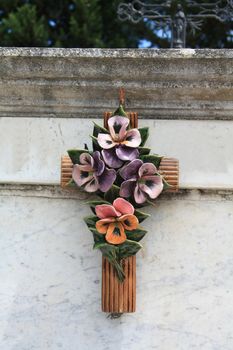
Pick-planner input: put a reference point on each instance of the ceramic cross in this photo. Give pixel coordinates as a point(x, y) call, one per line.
point(120, 297)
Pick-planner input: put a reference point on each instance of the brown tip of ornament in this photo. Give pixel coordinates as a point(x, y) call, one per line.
point(122, 96)
point(107, 115)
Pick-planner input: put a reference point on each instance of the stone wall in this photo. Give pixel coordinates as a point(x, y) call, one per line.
point(51, 277)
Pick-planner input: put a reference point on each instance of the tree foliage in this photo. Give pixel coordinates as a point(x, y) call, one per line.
point(91, 23)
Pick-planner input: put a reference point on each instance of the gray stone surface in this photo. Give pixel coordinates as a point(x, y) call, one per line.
point(177, 84)
point(50, 277)
point(31, 148)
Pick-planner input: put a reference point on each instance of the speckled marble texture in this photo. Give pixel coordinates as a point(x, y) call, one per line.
point(32, 148)
point(50, 278)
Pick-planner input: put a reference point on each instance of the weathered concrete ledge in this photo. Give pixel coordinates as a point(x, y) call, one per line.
point(160, 84)
point(55, 191)
point(112, 53)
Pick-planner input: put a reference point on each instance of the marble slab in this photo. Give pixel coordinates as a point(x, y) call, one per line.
point(31, 148)
point(50, 278)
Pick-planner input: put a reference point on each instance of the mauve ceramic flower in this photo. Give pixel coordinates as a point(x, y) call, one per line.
point(140, 180)
point(92, 173)
point(121, 144)
point(115, 219)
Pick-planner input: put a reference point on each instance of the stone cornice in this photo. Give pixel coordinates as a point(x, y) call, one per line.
point(55, 191)
point(78, 83)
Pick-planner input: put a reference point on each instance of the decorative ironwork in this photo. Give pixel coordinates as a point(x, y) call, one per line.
point(159, 12)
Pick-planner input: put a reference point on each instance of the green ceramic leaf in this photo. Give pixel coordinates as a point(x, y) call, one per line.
point(111, 252)
point(91, 220)
point(94, 203)
point(112, 193)
point(95, 145)
point(99, 129)
point(144, 135)
point(120, 111)
point(108, 249)
point(136, 235)
point(143, 151)
point(98, 237)
point(75, 154)
point(128, 248)
point(152, 158)
point(166, 185)
point(141, 216)
point(96, 130)
point(71, 183)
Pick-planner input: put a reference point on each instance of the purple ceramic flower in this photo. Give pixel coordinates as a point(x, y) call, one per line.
point(92, 173)
point(141, 179)
point(121, 144)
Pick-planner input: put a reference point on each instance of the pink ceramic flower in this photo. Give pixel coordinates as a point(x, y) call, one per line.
point(115, 219)
point(92, 173)
point(121, 144)
point(141, 179)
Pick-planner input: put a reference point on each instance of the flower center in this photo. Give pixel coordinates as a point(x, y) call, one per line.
point(117, 231)
point(84, 174)
point(117, 138)
point(141, 181)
